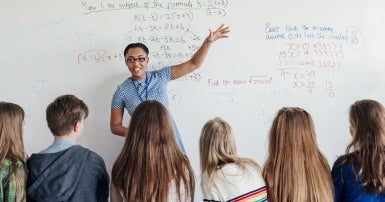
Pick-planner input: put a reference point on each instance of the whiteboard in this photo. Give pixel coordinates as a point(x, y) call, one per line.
point(321, 56)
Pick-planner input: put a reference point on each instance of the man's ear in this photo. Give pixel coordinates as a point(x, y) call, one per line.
point(76, 126)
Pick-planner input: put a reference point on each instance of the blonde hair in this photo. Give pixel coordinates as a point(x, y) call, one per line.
point(217, 148)
point(366, 152)
point(11, 143)
point(151, 160)
point(295, 169)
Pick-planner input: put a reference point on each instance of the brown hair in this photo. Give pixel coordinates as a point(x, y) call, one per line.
point(11, 143)
point(366, 151)
point(64, 112)
point(295, 169)
point(217, 148)
point(151, 160)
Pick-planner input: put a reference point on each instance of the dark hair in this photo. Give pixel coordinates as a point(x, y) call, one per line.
point(64, 112)
point(136, 45)
point(366, 151)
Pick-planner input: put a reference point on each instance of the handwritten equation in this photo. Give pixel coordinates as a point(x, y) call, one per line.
point(352, 35)
point(194, 77)
point(167, 26)
point(251, 80)
point(309, 53)
point(168, 16)
point(209, 7)
point(320, 55)
point(98, 56)
point(312, 50)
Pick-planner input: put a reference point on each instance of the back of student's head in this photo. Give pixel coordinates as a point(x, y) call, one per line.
point(64, 112)
point(367, 122)
point(150, 118)
point(151, 160)
point(11, 131)
point(216, 145)
point(295, 169)
point(367, 125)
point(12, 146)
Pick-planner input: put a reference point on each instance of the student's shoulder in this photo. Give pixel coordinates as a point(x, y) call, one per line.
point(96, 156)
point(230, 169)
point(234, 167)
point(344, 164)
point(93, 156)
point(343, 160)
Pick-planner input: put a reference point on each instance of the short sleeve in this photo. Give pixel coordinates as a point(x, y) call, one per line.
point(118, 99)
point(165, 74)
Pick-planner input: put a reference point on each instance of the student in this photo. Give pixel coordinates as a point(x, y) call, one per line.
point(144, 85)
point(295, 169)
point(225, 176)
point(359, 175)
point(151, 166)
point(13, 169)
point(65, 171)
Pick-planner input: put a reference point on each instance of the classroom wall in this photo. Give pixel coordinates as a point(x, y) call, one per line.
point(321, 56)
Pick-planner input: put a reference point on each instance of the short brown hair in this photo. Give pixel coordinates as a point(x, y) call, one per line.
point(64, 112)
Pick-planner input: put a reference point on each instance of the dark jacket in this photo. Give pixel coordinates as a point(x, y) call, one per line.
point(75, 174)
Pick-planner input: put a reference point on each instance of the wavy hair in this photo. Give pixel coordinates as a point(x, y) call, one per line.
point(217, 148)
point(151, 161)
point(295, 169)
point(366, 151)
point(11, 142)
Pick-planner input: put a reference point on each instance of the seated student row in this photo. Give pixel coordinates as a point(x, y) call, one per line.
point(146, 169)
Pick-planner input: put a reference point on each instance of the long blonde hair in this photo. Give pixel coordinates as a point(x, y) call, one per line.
point(366, 152)
point(217, 148)
point(295, 169)
point(151, 160)
point(11, 143)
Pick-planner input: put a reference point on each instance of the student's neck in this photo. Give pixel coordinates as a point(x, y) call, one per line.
point(69, 137)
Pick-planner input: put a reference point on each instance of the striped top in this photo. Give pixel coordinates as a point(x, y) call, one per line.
point(258, 195)
point(234, 184)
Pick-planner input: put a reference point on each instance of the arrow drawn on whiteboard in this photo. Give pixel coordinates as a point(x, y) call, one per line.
point(195, 37)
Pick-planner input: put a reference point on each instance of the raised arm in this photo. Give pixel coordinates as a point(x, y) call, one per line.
point(116, 120)
point(196, 61)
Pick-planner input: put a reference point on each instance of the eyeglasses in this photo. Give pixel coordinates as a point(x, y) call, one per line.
point(139, 59)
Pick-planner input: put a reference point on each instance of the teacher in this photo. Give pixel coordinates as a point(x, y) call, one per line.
point(152, 85)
